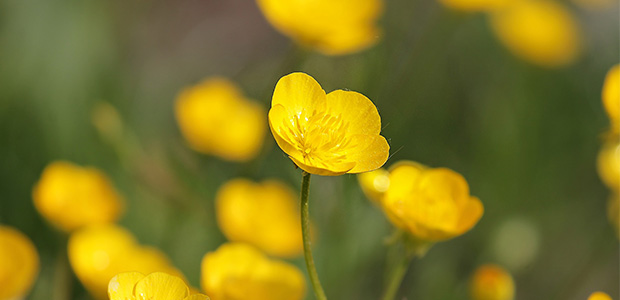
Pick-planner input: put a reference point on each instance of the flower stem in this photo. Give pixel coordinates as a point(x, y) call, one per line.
point(396, 277)
point(305, 232)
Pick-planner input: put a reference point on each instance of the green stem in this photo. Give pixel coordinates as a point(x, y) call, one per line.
point(305, 232)
point(396, 276)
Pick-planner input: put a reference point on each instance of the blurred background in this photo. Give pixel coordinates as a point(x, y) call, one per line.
point(450, 94)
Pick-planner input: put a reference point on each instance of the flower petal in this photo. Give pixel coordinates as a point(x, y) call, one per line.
point(121, 286)
point(299, 92)
point(357, 110)
point(369, 152)
point(197, 297)
point(334, 170)
point(470, 214)
point(280, 123)
point(161, 286)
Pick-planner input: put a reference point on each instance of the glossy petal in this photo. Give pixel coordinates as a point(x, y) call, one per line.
point(121, 286)
point(470, 214)
point(299, 92)
point(357, 110)
point(280, 123)
point(369, 152)
point(332, 170)
point(161, 286)
point(197, 297)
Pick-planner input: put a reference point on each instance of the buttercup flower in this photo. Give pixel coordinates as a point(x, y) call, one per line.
point(543, 32)
point(599, 296)
point(19, 264)
point(97, 253)
point(215, 118)
point(328, 134)
point(332, 27)
point(430, 204)
point(239, 271)
point(609, 165)
point(155, 286)
point(265, 215)
point(374, 184)
point(491, 282)
point(611, 97)
point(70, 196)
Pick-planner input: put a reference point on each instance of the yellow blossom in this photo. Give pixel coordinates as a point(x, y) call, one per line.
point(611, 97)
point(599, 296)
point(324, 134)
point(265, 215)
point(492, 282)
point(374, 184)
point(19, 264)
point(155, 286)
point(333, 27)
point(609, 165)
point(70, 196)
point(97, 253)
point(239, 271)
point(430, 204)
point(215, 118)
point(543, 32)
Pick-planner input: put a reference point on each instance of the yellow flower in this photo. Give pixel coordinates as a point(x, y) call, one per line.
point(599, 296)
point(97, 253)
point(265, 215)
point(155, 286)
point(611, 97)
point(239, 271)
point(333, 27)
point(491, 282)
point(215, 118)
point(374, 184)
point(430, 204)
point(543, 32)
point(609, 165)
point(328, 134)
point(70, 196)
point(19, 264)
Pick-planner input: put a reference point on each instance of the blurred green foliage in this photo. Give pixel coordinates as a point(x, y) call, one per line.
point(449, 94)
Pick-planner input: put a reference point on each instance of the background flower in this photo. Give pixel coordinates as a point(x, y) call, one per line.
point(19, 264)
point(492, 282)
point(154, 286)
point(265, 215)
point(239, 271)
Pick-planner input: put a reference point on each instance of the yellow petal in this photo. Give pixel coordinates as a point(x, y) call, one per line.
point(611, 95)
point(161, 286)
point(369, 152)
point(358, 111)
point(470, 214)
point(197, 297)
point(280, 123)
point(299, 92)
point(121, 286)
point(599, 296)
point(443, 183)
point(334, 169)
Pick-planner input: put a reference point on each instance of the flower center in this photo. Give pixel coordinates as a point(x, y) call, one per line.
point(320, 137)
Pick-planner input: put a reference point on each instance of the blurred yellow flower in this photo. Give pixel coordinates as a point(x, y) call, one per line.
point(19, 264)
point(609, 164)
point(265, 215)
point(97, 253)
point(374, 184)
point(215, 118)
point(333, 27)
point(328, 134)
point(611, 97)
point(492, 282)
point(599, 296)
point(543, 32)
point(239, 271)
point(430, 204)
point(155, 286)
point(70, 196)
